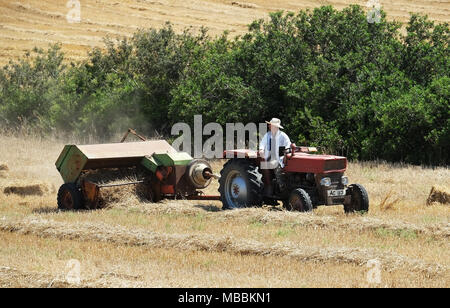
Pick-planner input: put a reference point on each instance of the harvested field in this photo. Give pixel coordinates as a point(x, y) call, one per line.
point(11, 278)
point(130, 242)
point(280, 217)
point(194, 243)
point(26, 24)
point(169, 267)
point(136, 237)
point(15, 278)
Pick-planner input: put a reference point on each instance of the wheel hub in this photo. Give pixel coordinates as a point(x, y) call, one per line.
point(236, 190)
point(239, 189)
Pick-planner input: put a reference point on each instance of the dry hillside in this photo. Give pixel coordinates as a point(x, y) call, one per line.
point(25, 24)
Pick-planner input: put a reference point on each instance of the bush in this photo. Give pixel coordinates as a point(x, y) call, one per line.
point(353, 88)
point(27, 88)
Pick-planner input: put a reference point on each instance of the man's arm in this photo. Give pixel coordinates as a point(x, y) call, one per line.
point(263, 143)
point(286, 142)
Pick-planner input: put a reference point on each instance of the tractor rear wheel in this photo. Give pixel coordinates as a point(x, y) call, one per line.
point(70, 197)
point(359, 199)
point(240, 184)
point(298, 200)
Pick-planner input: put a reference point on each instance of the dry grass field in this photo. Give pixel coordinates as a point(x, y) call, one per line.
point(30, 23)
point(196, 244)
point(182, 243)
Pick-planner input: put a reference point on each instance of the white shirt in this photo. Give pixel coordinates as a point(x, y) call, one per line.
point(279, 140)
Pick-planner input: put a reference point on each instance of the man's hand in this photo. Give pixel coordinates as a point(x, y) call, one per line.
point(261, 153)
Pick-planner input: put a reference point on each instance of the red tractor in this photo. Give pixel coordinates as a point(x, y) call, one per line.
point(306, 181)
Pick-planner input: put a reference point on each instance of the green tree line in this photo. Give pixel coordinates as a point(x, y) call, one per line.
point(364, 90)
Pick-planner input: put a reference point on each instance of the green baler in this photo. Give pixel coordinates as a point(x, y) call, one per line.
point(163, 172)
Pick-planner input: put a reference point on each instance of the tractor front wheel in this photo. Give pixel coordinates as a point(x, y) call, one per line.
point(359, 201)
point(70, 197)
point(298, 200)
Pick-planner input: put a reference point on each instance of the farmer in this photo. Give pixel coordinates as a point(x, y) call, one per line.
point(269, 149)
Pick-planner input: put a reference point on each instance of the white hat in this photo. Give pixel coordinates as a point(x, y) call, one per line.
point(275, 122)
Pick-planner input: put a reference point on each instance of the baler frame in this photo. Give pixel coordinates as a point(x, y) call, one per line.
point(166, 172)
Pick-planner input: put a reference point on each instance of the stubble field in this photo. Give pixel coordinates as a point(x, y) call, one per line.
point(195, 244)
point(191, 243)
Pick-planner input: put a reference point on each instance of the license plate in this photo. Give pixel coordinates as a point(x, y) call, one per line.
point(336, 192)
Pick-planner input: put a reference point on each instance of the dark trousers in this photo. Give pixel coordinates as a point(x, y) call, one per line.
point(267, 177)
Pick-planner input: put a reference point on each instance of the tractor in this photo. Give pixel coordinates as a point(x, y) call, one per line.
point(306, 181)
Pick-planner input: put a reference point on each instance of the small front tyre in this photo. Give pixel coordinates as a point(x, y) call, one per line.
point(299, 201)
point(70, 197)
point(359, 201)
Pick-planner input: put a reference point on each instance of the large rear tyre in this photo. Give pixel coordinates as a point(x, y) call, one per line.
point(70, 197)
point(359, 199)
point(299, 201)
point(240, 184)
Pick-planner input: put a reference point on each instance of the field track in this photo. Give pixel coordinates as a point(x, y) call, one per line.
point(26, 24)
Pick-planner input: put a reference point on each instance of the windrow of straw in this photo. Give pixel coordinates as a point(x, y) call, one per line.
point(13, 278)
point(183, 242)
point(280, 217)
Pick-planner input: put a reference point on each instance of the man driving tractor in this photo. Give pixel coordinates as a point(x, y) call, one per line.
point(288, 173)
point(273, 142)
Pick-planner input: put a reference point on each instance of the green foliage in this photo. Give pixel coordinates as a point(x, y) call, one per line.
point(213, 87)
point(415, 127)
point(159, 61)
point(353, 88)
point(28, 86)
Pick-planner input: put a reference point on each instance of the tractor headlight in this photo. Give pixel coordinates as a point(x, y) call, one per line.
point(344, 180)
point(325, 182)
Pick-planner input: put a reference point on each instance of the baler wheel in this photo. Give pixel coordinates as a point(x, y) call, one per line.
point(70, 197)
point(359, 199)
point(299, 201)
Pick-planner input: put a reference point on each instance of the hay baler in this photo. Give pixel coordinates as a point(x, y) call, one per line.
point(153, 165)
